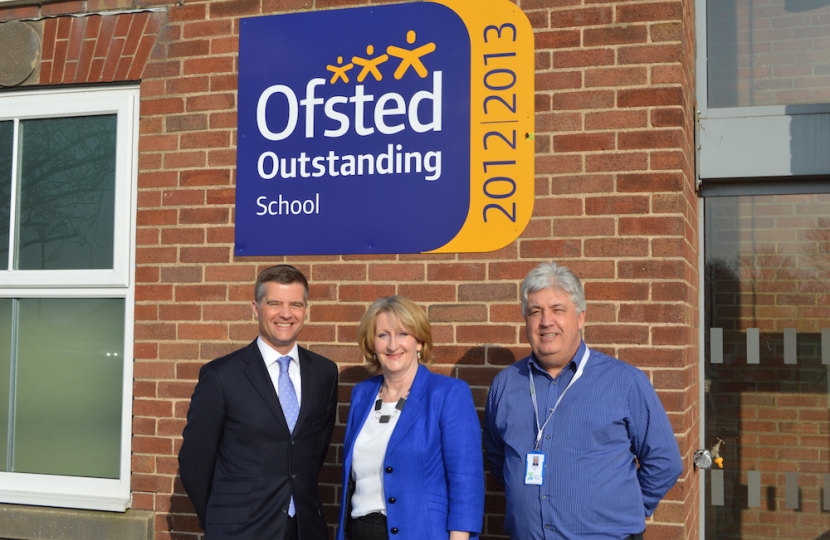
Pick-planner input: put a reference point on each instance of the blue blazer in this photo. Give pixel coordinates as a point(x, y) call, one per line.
point(434, 473)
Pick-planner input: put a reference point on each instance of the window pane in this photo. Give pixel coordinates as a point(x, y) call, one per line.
point(67, 193)
point(6, 154)
point(68, 394)
point(774, 52)
point(5, 372)
point(767, 289)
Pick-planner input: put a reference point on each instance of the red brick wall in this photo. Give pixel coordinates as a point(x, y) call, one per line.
point(615, 201)
point(97, 49)
point(93, 49)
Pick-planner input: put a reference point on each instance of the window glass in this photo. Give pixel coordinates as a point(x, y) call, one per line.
point(5, 379)
point(67, 406)
point(6, 153)
point(771, 52)
point(67, 188)
point(767, 357)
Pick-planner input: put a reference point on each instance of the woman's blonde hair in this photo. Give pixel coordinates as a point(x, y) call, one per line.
point(409, 316)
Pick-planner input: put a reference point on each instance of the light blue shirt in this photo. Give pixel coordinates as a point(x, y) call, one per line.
point(608, 421)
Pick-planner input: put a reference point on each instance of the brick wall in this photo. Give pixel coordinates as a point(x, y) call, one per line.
point(615, 201)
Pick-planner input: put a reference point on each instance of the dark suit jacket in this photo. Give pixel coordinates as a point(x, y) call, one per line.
point(239, 463)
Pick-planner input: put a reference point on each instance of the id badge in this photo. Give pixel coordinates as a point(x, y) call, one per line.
point(534, 469)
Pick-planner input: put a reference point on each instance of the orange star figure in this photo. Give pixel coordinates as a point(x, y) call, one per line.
point(370, 65)
point(411, 58)
point(339, 70)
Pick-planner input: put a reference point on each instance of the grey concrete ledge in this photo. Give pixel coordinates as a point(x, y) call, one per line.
point(43, 523)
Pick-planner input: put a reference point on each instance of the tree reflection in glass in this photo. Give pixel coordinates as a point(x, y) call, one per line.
point(6, 156)
point(67, 193)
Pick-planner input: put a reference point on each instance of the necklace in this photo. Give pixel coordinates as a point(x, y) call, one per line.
point(385, 418)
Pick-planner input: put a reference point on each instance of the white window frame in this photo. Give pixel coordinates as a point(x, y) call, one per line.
point(755, 142)
point(82, 103)
point(118, 282)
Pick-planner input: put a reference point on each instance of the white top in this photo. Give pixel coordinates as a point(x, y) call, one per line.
point(270, 355)
point(367, 461)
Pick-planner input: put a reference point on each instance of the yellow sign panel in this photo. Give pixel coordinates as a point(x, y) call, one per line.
point(501, 125)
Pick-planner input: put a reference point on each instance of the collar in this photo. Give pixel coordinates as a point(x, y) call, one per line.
point(271, 355)
point(571, 366)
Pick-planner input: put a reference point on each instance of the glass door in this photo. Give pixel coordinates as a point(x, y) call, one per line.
point(767, 327)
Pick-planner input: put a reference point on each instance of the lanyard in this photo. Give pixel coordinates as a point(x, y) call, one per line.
point(577, 375)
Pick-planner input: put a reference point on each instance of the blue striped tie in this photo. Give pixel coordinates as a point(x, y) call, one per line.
point(290, 405)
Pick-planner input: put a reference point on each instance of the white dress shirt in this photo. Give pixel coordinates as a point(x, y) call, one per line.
point(270, 355)
point(367, 462)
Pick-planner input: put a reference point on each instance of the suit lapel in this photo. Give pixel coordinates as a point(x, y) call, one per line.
point(415, 404)
point(308, 382)
point(261, 381)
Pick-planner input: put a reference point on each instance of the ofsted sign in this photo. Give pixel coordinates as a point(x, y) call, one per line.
point(387, 129)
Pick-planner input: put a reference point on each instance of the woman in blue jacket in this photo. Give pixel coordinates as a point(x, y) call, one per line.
point(412, 465)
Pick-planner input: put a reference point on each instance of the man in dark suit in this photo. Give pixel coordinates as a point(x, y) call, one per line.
point(259, 426)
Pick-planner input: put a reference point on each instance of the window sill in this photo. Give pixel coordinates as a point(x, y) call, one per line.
point(43, 523)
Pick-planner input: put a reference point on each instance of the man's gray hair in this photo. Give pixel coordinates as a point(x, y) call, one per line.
point(550, 275)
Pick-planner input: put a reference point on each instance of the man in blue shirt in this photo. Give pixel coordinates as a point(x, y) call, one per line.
point(578, 439)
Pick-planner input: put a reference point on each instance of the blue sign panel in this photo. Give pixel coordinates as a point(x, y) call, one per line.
point(354, 131)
